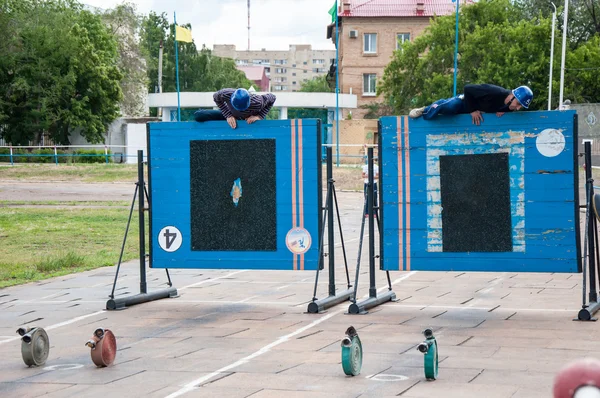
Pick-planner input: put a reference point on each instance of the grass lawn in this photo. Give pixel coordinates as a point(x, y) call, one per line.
point(98, 172)
point(39, 243)
point(42, 239)
point(346, 177)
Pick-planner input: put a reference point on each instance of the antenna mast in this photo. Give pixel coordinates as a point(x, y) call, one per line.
point(248, 25)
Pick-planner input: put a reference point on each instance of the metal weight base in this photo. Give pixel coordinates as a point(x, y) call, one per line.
point(143, 296)
point(124, 302)
point(591, 257)
point(320, 305)
point(364, 306)
point(373, 214)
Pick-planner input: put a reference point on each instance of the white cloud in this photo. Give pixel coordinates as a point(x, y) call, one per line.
point(275, 24)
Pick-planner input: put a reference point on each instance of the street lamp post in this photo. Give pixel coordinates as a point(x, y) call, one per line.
point(551, 58)
point(456, 47)
point(562, 62)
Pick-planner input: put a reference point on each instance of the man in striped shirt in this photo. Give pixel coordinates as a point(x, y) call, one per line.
point(237, 105)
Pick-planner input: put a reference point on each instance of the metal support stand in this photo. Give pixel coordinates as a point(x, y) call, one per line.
point(373, 300)
point(320, 305)
point(590, 245)
point(143, 296)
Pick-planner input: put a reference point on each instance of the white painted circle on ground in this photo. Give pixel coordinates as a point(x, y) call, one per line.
point(384, 377)
point(550, 142)
point(169, 239)
point(298, 240)
point(66, 366)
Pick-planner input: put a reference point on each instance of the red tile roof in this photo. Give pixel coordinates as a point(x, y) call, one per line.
point(252, 72)
point(398, 8)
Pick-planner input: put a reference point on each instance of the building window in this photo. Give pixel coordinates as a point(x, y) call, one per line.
point(304, 63)
point(242, 62)
point(305, 70)
point(318, 61)
point(369, 80)
point(277, 88)
point(294, 74)
point(294, 83)
point(280, 62)
point(370, 46)
point(280, 70)
point(401, 38)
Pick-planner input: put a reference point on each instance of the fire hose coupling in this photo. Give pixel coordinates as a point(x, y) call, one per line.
point(351, 352)
point(429, 349)
point(103, 347)
point(35, 345)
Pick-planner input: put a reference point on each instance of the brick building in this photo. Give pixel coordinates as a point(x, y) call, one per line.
point(370, 32)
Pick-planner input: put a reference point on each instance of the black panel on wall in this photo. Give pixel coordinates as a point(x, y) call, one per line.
point(220, 169)
point(476, 209)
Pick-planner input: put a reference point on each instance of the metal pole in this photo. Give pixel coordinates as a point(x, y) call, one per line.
point(160, 57)
point(456, 48)
point(551, 58)
point(593, 294)
point(177, 67)
point(248, 25)
point(562, 61)
point(330, 224)
point(143, 287)
point(11, 156)
point(337, 86)
point(372, 287)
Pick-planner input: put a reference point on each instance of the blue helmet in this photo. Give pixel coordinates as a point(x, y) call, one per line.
point(240, 99)
point(524, 95)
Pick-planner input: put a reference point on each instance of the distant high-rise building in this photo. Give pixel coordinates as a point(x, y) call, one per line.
point(287, 70)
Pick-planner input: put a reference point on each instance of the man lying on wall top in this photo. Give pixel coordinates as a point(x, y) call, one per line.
point(478, 98)
point(237, 105)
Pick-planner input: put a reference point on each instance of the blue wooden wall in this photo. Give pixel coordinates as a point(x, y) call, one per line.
point(298, 192)
point(544, 217)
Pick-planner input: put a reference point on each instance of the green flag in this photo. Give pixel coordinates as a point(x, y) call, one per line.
point(332, 12)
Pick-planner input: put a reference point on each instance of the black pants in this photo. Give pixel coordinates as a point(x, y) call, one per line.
point(205, 115)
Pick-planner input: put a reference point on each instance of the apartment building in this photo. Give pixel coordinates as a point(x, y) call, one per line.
point(370, 32)
point(287, 70)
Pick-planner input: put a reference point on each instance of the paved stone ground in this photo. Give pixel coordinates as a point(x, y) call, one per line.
point(247, 333)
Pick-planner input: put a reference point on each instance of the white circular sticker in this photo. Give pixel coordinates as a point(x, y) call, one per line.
point(169, 239)
point(298, 240)
point(550, 142)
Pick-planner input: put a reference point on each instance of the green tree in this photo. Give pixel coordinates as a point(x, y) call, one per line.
point(583, 22)
point(124, 24)
point(495, 46)
point(60, 72)
point(153, 34)
point(318, 84)
point(198, 70)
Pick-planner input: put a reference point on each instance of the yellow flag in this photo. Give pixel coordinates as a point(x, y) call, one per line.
point(183, 34)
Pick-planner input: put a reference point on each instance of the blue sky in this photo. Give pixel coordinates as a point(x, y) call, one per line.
point(275, 24)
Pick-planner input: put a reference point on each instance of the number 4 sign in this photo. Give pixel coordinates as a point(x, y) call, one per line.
point(169, 239)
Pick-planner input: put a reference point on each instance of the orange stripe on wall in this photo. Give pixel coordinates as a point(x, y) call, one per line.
point(294, 184)
point(300, 185)
point(400, 200)
point(407, 177)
